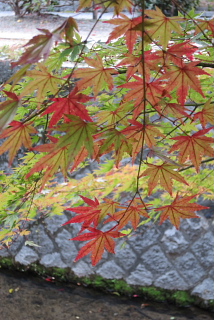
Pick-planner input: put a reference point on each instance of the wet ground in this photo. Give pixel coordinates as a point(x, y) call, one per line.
point(27, 297)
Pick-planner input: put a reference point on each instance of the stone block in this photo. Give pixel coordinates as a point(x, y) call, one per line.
point(205, 290)
point(190, 268)
point(125, 257)
point(172, 281)
point(148, 236)
point(140, 277)
point(155, 261)
point(26, 256)
point(52, 260)
point(203, 248)
point(54, 223)
point(173, 241)
point(110, 270)
point(82, 269)
point(67, 247)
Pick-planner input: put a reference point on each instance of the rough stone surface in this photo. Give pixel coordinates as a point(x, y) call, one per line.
point(190, 268)
point(172, 281)
point(155, 261)
point(40, 238)
point(82, 269)
point(54, 223)
point(125, 256)
point(26, 256)
point(205, 290)
point(110, 270)
point(67, 248)
point(140, 276)
point(174, 241)
point(52, 260)
point(204, 250)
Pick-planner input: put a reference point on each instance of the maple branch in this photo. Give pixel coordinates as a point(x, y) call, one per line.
point(206, 64)
point(192, 166)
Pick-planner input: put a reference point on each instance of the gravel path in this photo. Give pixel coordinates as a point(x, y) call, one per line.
point(15, 31)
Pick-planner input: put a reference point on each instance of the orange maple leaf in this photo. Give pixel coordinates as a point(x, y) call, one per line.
point(162, 174)
point(204, 25)
point(18, 134)
point(42, 82)
point(57, 158)
point(206, 115)
point(183, 78)
point(162, 27)
point(138, 132)
point(8, 109)
point(131, 213)
point(193, 147)
point(97, 76)
point(101, 241)
point(125, 28)
point(180, 208)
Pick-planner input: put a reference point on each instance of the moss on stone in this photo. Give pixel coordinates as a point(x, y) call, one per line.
point(182, 298)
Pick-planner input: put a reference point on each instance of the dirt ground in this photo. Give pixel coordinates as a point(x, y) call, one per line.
point(26, 297)
point(14, 31)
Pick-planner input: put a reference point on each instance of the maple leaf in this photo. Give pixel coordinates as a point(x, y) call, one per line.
point(18, 134)
point(138, 132)
point(78, 134)
point(57, 158)
point(87, 215)
point(180, 208)
point(101, 241)
point(116, 138)
point(131, 213)
point(205, 25)
point(183, 78)
point(154, 93)
point(72, 104)
point(177, 52)
point(162, 174)
point(135, 64)
point(94, 213)
point(8, 109)
point(43, 82)
point(206, 115)
point(193, 147)
point(38, 47)
point(97, 76)
point(176, 110)
point(162, 26)
point(125, 28)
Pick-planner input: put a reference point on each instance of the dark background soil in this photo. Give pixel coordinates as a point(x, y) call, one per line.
point(26, 297)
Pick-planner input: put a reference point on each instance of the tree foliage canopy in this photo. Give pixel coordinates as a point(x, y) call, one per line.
point(142, 100)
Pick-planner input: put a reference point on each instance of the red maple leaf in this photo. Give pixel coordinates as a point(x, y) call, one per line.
point(125, 28)
point(193, 147)
point(99, 242)
point(184, 77)
point(72, 104)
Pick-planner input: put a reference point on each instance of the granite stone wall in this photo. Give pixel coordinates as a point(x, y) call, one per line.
point(159, 256)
